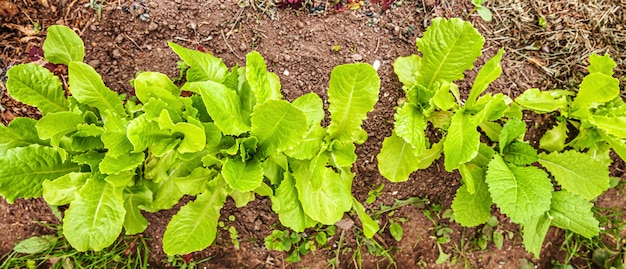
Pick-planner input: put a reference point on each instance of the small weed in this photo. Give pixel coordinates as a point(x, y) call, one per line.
point(182, 69)
point(490, 233)
point(483, 11)
point(232, 231)
point(54, 251)
point(372, 195)
point(441, 230)
point(184, 261)
point(298, 244)
point(96, 5)
point(603, 251)
point(373, 247)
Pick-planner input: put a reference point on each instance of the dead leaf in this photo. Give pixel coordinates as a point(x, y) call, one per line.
point(28, 30)
point(536, 62)
point(7, 9)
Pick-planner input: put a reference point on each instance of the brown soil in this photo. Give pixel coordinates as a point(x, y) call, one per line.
point(299, 47)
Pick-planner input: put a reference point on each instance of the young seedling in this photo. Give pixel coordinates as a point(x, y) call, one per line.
point(483, 11)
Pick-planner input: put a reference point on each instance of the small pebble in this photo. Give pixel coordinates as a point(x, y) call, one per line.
point(356, 57)
point(286, 73)
point(345, 224)
point(300, 25)
point(376, 65)
point(243, 47)
point(149, 47)
point(153, 26)
point(116, 54)
point(94, 63)
point(287, 57)
point(144, 17)
point(153, 4)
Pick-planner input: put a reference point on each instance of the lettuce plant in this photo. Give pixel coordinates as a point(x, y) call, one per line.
point(233, 137)
point(500, 172)
point(449, 48)
point(596, 111)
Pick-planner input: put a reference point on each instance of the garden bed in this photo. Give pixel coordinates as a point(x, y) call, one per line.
point(302, 47)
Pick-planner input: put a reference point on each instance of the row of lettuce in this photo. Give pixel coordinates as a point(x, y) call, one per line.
point(235, 136)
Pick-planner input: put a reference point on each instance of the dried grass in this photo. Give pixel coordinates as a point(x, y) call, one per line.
point(556, 56)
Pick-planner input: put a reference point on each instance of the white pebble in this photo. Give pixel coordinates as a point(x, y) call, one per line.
point(376, 65)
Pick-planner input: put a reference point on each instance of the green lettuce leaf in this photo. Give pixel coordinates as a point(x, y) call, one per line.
point(397, 159)
point(573, 212)
point(519, 153)
point(288, 207)
point(601, 64)
point(193, 136)
point(134, 197)
point(21, 132)
point(243, 176)
point(342, 155)
point(22, 170)
point(87, 87)
point(114, 137)
point(158, 86)
point(312, 106)
point(406, 68)
point(618, 145)
point(95, 218)
point(554, 139)
point(449, 47)
point(114, 165)
point(165, 193)
point(611, 125)
point(63, 45)
point(543, 101)
point(411, 125)
point(258, 77)
point(595, 88)
point(224, 106)
point(494, 108)
point(195, 225)
point(34, 85)
point(487, 74)
point(522, 193)
point(203, 66)
point(310, 145)
point(328, 203)
point(62, 191)
point(370, 227)
point(143, 133)
point(278, 126)
point(534, 233)
point(512, 130)
point(195, 183)
point(473, 209)
point(577, 172)
point(55, 126)
point(352, 93)
point(462, 141)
